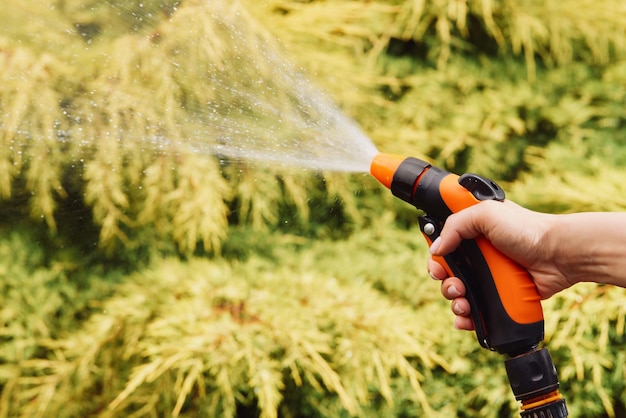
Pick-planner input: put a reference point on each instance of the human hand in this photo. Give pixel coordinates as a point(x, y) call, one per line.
point(518, 233)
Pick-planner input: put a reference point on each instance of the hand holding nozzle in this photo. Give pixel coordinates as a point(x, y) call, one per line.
point(555, 249)
point(518, 233)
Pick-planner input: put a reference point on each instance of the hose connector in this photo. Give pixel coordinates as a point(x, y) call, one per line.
point(535, 383)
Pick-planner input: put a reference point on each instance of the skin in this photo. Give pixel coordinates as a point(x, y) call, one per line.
point(557, 250)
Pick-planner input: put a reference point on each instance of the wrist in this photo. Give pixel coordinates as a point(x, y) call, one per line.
point(588, 247)
point(564, 253)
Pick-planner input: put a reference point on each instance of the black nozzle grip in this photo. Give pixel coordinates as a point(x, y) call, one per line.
point(404, 179)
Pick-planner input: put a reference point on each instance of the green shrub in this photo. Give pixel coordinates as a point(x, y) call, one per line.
point(142, 277)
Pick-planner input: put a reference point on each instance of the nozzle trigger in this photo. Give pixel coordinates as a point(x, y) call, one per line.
point(456, 265)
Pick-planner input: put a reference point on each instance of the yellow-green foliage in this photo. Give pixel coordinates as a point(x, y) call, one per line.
point(350, 327)
point(204, 338)
point(104, 143)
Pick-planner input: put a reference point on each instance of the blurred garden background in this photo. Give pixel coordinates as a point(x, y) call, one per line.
point(144, 277)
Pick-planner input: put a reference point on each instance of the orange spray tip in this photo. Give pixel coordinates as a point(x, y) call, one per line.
point(384, 166)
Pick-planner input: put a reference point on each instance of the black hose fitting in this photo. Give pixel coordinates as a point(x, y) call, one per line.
point(535, 383)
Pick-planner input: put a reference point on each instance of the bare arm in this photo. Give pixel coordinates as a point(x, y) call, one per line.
point(589, 247)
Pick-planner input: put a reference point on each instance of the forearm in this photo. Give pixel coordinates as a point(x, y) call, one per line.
point(590, 247)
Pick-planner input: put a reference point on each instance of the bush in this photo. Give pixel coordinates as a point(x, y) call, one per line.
point(144, 276)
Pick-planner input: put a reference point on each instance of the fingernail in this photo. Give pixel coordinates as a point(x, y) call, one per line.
point(457, 309)
point(435, 245)
point(432, 276)
point(454, 292)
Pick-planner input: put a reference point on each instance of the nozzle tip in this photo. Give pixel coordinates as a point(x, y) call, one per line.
point(384, 166)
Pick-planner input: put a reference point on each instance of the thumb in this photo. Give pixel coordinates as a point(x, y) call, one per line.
point(465, 224)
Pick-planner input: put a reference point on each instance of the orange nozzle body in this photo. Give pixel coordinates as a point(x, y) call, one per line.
point(384, 166)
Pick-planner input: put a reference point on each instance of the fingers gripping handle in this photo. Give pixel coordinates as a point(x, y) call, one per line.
point(505, 294)
point(504, 312)
point(431, 230)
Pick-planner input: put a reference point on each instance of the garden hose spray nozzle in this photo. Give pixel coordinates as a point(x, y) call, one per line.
point(505, 305)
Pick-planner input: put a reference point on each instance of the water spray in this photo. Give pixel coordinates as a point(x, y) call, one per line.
point(505, 305)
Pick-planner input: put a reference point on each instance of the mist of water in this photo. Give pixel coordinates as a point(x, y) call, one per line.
point(265, 110)
point(168, 75)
